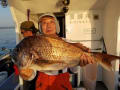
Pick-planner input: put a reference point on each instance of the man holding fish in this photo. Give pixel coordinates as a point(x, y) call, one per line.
point(48, 54)
point(50, 26)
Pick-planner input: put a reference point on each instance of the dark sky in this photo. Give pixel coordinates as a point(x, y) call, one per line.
point(6, 17)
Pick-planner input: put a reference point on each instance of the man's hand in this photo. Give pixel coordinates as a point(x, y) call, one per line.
point(26, 74)
point(85, 59)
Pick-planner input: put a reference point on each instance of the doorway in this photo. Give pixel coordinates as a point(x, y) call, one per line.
point(61, 19)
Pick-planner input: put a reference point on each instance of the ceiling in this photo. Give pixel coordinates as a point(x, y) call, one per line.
point(41, 6)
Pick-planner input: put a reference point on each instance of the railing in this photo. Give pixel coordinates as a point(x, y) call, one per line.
point(7, 27)
point(5, 54)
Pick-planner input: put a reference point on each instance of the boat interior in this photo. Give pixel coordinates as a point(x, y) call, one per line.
point(94, 23)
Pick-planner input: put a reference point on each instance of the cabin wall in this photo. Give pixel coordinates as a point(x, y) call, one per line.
point(110, 33)
point(18, 20)
point(85, 26)
point(19, 15)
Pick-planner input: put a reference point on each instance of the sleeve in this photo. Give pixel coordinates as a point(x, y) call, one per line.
point(73, 69)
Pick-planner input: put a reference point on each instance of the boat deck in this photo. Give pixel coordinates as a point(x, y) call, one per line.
point(99, 86)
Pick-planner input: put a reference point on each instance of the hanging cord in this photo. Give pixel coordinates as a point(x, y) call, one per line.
point(104, 46)
point(39, 27)
point(28, 14)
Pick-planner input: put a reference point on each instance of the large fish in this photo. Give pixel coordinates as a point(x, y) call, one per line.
point(44, 53)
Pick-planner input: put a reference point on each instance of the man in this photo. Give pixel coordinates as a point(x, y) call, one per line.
point(54, 80)
point(27, 28)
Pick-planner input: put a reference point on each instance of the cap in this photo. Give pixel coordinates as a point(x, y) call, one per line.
point(28, 25)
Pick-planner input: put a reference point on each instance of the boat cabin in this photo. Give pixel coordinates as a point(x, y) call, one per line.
point(94, 23)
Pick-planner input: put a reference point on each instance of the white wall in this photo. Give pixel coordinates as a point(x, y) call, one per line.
point(81, 27)
point(111, 15)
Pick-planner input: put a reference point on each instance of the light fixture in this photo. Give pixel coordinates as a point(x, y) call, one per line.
point(65, 9)
point(66, 4)
point(4, 3)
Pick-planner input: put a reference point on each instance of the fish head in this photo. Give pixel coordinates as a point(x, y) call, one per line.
point(22, 57)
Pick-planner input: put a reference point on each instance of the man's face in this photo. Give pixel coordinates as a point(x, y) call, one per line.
point(26, 33)
point(48, 25)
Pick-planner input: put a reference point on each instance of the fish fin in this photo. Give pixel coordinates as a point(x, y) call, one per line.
point(105, 60)
point(81, 46)
point(49, 64)
point(45, 62)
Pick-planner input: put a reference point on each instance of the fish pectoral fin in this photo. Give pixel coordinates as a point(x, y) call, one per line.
point(41, 61)
point(105, 59)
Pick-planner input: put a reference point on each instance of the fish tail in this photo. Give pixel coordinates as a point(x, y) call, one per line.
point(105, 60)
